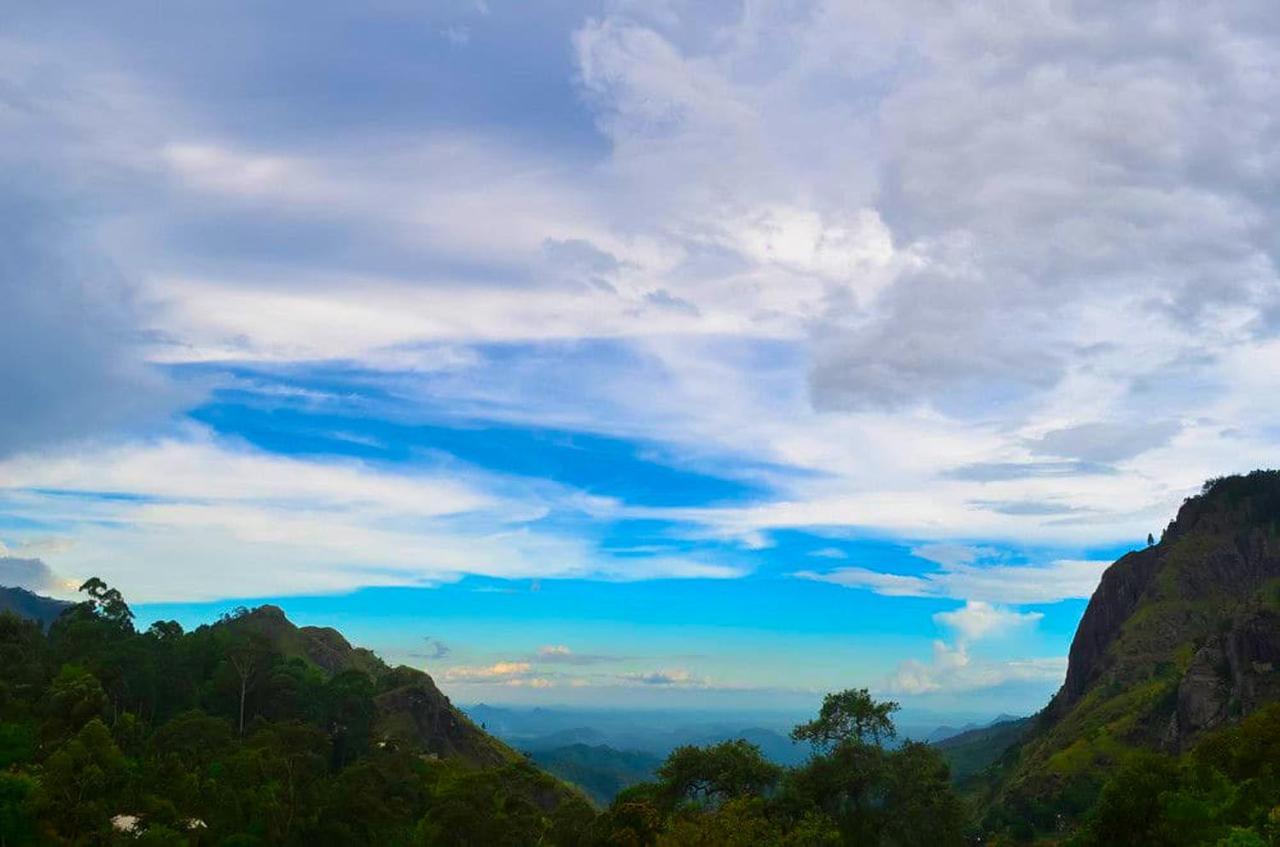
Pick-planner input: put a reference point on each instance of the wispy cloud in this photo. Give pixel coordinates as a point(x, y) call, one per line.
point(999, 583)
point(669, 678)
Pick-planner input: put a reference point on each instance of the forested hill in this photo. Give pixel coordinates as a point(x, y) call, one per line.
point(247, 731)
point(1169, 693)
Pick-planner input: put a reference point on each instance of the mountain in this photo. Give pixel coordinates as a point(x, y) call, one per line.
point(974, 750)
point(653, 731)
point(599, 770)
point(250, 730)
point(26, 604)
point(942, 733)
point(1179, 638)
point(410, 708)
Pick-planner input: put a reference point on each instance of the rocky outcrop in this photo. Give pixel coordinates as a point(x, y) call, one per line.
point(1232, 675)
point(1122, 587)
point(421, 715)
point(1203, 603)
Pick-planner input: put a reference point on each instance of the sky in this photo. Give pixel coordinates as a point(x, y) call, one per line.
point(648, 353)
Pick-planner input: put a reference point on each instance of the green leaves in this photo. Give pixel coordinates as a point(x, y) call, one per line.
point(715, 774)
point(850, 716)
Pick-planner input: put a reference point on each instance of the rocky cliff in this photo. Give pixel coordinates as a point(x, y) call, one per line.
point(1178, 638)
point(1200, 611)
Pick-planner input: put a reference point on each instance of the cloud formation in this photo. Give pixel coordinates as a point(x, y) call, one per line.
point(31, 574)
point(953, 670)
point(72, 364)
point(937, 273)
point(987, 584)
point(976, 620)
point(666, 678)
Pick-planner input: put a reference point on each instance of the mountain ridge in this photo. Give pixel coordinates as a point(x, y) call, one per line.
point(27, 604)
point(1178, 639)
point(411, 709)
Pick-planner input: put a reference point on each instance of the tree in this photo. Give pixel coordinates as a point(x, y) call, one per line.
point(715, 774)
point(1130, 809)
point(247, 654)
point(922, 806)
point(740, 822)
point(1151, 540)
point(16, 825)
point(348, 713)
point(108, 603)
point(850, 716)
point(83, 783)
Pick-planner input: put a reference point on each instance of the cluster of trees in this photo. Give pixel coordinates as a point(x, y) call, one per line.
point(853, 791)
point(1225, 791)
point(109, 735)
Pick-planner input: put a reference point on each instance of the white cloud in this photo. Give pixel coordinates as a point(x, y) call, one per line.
point(952, 670)
point(978, 619)
point(206, 518)
point(988, 584)
point(943, 273)
point(487, 673)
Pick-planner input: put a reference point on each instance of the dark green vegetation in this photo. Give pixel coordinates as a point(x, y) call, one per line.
point(254, 731)
point(249, 731)
point(1163, 732)
point(971, 752)
point(601, 771)
point(851, 791)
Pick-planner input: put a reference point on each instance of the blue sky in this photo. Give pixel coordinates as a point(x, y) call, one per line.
point(634, 353)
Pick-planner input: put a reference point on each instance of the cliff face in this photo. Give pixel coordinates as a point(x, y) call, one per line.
point(1178, 638)
point(1199, 612)
point(412, 711)
point(1122, 587)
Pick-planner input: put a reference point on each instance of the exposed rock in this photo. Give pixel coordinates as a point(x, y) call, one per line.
point(1179, 638)
point(1229, 677)
point(1118, 593)
point(1200, 592)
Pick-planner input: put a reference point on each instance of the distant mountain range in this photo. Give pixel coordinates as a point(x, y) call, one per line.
point(655, 732)
point(27, 604)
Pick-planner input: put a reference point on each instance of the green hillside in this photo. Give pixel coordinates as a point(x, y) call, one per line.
point(601, 771)
point(1179, 640)
point(969, 753)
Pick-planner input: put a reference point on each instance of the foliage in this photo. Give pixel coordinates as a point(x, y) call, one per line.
point(1225, 791)
point(849, 717)
point(601, 771)
point(111, 735)
point(852, 791)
